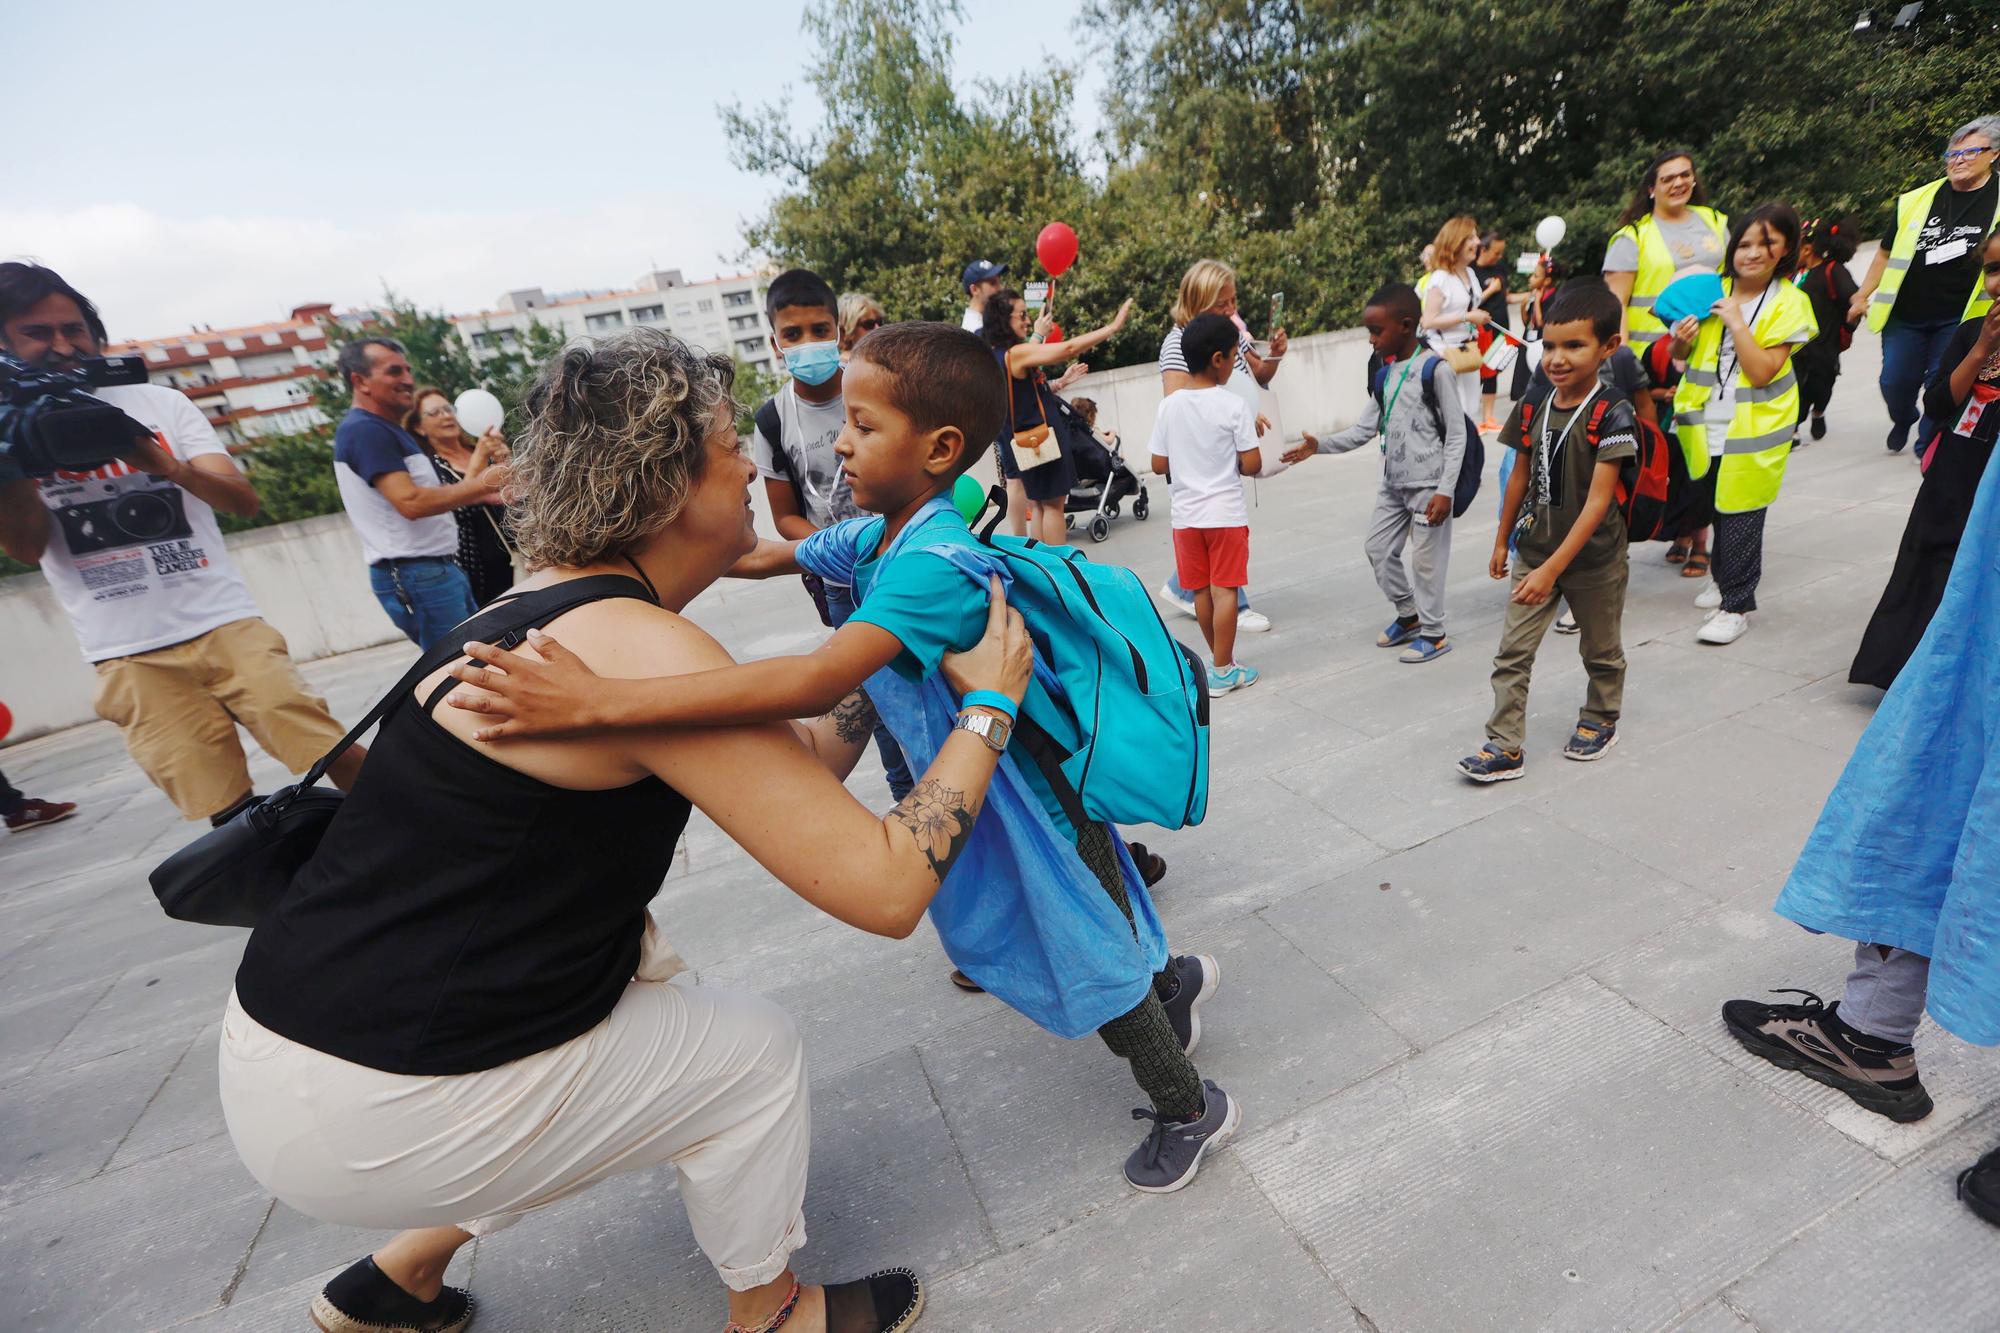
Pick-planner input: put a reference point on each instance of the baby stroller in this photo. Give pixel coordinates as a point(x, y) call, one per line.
point(1103, 481)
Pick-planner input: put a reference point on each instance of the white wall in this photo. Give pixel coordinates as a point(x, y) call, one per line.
point(308, 578)
point(1320, 385)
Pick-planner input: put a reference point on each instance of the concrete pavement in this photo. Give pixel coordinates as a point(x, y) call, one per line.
point(1475, 1030)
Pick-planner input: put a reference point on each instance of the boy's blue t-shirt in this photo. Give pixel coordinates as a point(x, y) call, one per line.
point(1018, 912)
point(932, 608)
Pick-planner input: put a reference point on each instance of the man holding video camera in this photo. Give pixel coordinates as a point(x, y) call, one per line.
point(119, 512)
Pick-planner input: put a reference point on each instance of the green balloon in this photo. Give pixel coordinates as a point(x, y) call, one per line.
point(968, 496)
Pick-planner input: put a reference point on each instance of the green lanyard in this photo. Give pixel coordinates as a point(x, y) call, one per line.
point(1408, 366)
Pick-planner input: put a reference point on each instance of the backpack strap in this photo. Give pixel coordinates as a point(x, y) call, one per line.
point(1430, 393)
point(1593, 428)
point(772, 429)
point(506, 623)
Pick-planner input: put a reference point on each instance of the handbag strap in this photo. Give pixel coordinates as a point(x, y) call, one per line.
point(1033, 386)
point(505, 623)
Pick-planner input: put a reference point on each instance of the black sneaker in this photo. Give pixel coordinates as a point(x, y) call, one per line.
point(364, 1299)
point(1196, 977)
point(1898, 437)
point(1818, 426)
point(1172, 1153)
point(1808, 1038)
point(1979, 1186)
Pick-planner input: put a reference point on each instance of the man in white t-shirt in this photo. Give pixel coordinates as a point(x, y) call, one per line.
point(132, 552)
point(981, 279)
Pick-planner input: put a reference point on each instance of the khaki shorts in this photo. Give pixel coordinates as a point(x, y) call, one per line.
point(179, 706)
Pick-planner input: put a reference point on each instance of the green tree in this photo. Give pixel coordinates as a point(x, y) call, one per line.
point(1318, 144)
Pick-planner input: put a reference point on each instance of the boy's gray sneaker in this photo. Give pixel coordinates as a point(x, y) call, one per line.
point(1196, 977)
point(1172, 1153)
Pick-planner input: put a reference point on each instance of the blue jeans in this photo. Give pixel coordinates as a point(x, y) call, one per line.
point(427, 598)
point(840, 603)
point(1182, 594)
point(1910, 356)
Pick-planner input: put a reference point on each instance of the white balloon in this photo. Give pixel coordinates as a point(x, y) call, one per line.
point(478, 411)
point(1549, 232)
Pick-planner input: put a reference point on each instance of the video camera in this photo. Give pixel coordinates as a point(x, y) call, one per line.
point(50, 423)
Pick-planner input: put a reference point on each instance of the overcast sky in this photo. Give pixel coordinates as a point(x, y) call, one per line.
point(211, 166)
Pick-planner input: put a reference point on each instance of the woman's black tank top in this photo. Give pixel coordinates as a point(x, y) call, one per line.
point(460, 914)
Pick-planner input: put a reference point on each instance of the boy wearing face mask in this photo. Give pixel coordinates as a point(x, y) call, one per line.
point(793, 444)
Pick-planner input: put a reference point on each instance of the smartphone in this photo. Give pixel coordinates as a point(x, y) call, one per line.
point(1277, 309)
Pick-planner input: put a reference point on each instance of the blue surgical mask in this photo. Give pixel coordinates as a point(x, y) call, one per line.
point(813, 363)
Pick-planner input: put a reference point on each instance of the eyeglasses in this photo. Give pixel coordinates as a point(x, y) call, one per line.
point(1990, 267)
point(1677, 178)
point(868, 325)
point(1964, 154)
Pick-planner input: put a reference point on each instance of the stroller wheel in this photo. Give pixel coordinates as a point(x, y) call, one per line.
point(1100, 528)
point(1111, 512)
point(1141, 506)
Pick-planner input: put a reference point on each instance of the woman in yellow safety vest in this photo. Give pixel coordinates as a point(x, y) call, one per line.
point(1924, 282)
point(1738, 402)
point(1666, 229)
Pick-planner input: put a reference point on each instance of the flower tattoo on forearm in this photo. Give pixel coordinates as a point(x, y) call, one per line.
point(853, 718)
point(940, 818)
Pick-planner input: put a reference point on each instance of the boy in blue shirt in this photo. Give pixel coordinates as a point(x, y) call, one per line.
point(1046, 912)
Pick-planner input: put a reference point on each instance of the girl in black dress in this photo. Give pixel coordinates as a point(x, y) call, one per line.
point(1006, 332)
point(1963, 398)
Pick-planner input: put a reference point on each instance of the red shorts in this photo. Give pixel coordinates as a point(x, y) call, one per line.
point(1212, 557)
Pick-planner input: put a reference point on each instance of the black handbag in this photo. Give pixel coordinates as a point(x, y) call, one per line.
point(235, 874)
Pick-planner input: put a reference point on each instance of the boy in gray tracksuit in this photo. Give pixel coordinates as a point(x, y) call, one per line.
point(1423, 443)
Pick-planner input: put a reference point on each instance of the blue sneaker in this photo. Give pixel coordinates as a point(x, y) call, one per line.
point(1493, 764)
point(1238, 677)
point(1399, 633)
point(1591, 740)
point(1425, 650)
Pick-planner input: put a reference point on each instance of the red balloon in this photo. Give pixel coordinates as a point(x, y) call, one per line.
point(1056, 248)
point(1055, 332)
point(6, 721)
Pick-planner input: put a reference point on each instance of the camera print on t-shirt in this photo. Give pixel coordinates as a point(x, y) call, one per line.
point(124, 529)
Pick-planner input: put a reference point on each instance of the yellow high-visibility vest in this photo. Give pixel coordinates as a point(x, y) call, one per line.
point(1656, 269)
point(1913, 209)
point(1759, 438)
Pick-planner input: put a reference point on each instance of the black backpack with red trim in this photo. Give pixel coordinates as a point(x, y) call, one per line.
point(1653, 491)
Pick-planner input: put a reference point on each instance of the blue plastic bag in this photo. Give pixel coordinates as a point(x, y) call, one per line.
point(1907, 848)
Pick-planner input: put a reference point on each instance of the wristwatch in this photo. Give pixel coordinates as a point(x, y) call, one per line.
point(989, 727)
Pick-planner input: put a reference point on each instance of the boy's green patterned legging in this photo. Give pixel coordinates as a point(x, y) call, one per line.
point(1143, 1037)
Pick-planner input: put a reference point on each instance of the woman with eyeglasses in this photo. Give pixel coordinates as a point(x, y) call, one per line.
point(484, 551)
point(1963, 398)
point(859, 315)
point(1925, 281)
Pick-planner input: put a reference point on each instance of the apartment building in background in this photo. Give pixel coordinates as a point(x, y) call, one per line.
point(721, 315)
point(250, 381)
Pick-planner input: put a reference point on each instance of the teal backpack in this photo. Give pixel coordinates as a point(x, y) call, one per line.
point(1138, 695)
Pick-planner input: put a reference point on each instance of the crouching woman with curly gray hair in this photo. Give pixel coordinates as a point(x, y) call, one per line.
point(456, 1019)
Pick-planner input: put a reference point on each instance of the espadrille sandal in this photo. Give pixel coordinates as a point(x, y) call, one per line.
point(364, 1299)
point(884, 1302)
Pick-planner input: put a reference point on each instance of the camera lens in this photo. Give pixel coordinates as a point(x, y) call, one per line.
point(143, 516)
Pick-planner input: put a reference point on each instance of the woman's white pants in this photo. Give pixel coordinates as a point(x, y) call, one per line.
point(710, 1080)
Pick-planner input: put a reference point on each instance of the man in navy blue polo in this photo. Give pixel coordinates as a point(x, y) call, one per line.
point(395, 501)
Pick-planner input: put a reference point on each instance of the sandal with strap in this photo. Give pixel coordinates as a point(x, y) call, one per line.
point(1696, 566)
point(1679, 551)
point(886, 1302)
